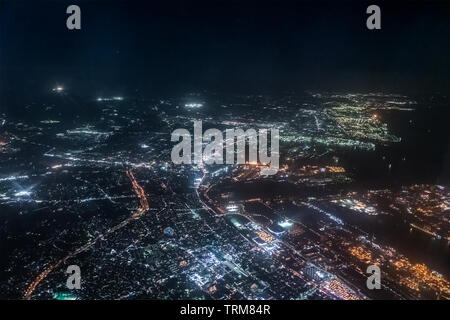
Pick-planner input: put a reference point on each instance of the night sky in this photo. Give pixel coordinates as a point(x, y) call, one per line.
point(245, 46)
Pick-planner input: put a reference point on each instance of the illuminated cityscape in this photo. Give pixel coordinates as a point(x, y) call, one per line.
point(87, 176)
point(220, 231)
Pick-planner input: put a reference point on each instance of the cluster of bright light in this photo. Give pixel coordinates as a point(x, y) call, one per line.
point(86, 130)
point(320, 274)
point(218, 172)
point(22, 194)
point(267, 238)
point(193, 105)
point(197, 182)
point(58, 89)
point(198, 279)
point(3, 196)
point(232, 208)
point(356, 205)
point(110, 99)
point(285, 224)
point(13, 178)
point(58, 166)
point(329, 215)
point(340, 289)
point(50, 121)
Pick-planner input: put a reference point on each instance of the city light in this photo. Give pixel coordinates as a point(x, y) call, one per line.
point(193, 105)
point(22, 194)
point(58, 89)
